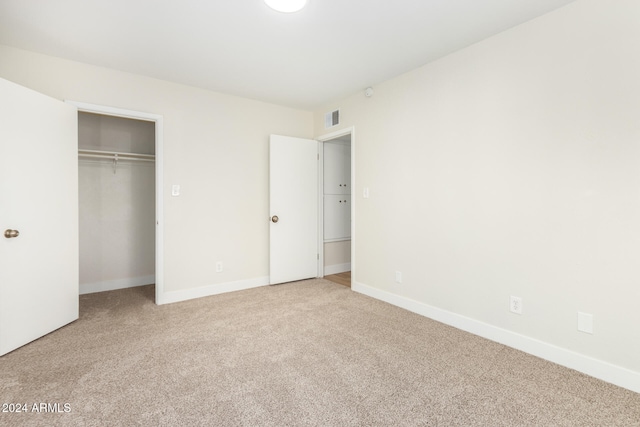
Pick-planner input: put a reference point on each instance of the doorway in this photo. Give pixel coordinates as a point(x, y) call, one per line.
point(131, 175)
point(336, 195)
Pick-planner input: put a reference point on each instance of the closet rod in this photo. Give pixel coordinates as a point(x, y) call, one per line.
point(113, 155)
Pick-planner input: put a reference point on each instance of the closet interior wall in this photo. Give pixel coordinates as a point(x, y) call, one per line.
point(116, 202)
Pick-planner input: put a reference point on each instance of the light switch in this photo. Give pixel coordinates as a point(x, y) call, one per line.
point(365, 192)
point(175, 190)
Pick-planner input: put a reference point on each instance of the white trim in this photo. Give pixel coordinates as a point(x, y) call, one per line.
point(321, 271)
point(218, 288)
point(112, 285)
point(337, 134)
point(113, 111)
point(336, 268)
point(353, 202)
point(339, 239)
point(605, 371)
point(159, 164)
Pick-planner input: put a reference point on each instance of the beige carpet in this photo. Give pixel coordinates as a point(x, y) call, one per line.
point(307, 353)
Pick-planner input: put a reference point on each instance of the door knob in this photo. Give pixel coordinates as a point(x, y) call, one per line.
point(274, 218)
point(11, 233)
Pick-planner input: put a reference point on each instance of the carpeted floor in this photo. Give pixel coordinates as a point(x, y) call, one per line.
point(309, 353)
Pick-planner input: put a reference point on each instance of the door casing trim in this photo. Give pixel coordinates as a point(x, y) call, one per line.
point(322, 139)
point(159, 137)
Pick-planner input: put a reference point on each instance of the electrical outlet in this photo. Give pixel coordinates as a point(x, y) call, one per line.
point(398, 277)
point(515, 304)
point(219, 267)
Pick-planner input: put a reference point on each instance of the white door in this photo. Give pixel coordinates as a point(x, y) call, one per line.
point(293, 204)
point(38, 215)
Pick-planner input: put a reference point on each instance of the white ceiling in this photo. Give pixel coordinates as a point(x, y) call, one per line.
point(329, 50)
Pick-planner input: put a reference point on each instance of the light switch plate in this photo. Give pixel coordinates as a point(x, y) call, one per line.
point(398, 277)
point(175, 190)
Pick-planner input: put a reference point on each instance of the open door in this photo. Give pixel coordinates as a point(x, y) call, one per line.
point(38, 215)
point(293, 204)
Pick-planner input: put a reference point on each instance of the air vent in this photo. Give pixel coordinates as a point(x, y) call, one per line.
point(332, 119)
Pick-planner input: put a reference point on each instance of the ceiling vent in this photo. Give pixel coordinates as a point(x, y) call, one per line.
point(331, 119)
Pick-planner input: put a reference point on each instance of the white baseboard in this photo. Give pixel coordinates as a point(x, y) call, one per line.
point(205, 291)
point(112, 285)
point(336, 268)
point(605, 371)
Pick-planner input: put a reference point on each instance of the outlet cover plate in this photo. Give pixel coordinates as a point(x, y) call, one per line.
point(515, 304)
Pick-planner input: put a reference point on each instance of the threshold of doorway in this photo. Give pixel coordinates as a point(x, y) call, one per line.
point(343, 279)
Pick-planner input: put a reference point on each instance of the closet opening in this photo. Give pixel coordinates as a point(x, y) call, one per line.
point(117, 202)
point(337, 204)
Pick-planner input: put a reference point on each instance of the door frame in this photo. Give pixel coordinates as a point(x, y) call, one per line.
point(158, 120)
point(322, 139)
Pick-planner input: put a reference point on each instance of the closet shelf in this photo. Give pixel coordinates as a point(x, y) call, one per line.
point(112, 155)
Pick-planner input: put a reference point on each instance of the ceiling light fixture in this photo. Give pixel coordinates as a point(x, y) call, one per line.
point(286, 6)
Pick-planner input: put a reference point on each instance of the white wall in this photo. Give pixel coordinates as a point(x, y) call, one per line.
point(108, 133)
point(512, 167)
point(215, 147)
point(116, 206)
point(337, 257)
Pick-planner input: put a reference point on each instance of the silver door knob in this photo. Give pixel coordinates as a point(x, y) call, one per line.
point(11, 233)
point(274, 218)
